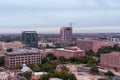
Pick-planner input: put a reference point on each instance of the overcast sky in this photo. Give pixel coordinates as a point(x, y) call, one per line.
point(47, 16)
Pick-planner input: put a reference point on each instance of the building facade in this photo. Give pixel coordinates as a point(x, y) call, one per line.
point(16, 58)
point(88, 45)
point(30, 38)
point(69, 52)
point(110, 60)
point(66, 34)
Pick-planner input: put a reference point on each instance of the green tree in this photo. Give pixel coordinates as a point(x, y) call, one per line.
point(62, 59)
point(49, 66)
point(94, 70)
point(9, 50)
point(116, 47)
point(60, 74)
point(74, 60)
point(45, 77)
point(50, 56)
point(27, 75)
point(36, 68)
point(109, 73)
point(2, 61)
point(90, 53)
point(64, 68)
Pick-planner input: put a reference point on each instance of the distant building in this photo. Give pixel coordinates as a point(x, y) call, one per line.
point(14, 45)
point(66, 34)
point(69, 52)
point(16, 58)
point(88, 45)
point(110, 60)
point(30, 38)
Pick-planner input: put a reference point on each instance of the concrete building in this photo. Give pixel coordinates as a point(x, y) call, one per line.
point(30, 38)
point(110, 60)
point(66, 34)
point(16, 58)
point(69, 52)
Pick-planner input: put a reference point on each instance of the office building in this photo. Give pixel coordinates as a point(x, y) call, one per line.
point(17, 58)
point(66, 34)
point(30, 38)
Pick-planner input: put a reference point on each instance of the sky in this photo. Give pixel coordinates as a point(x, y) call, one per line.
point(48, 16)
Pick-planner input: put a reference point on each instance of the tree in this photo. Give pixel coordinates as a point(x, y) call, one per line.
point(74, 60)
point(92, 62)
point(49, 66)
point(27, 75)
point(50, 56)
point(109, 73)
point(2, 61)
point(90, 53)
point(64, 68)
point(45, 77)
point(62, 59)
point(94, 70)
point(36, 68)
point(64, 75)
point(116, 47)
point(9, 50)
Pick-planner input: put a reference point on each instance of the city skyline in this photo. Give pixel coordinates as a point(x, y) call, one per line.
point(88, 16)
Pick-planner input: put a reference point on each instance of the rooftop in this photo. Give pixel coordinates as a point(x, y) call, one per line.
point(22, 51)
point(70, 50)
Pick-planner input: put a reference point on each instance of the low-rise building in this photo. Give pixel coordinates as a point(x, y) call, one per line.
point(110, 60)
point(16, 58)
point(69, 52)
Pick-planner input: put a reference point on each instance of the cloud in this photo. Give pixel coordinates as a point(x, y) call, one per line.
point(47, 13)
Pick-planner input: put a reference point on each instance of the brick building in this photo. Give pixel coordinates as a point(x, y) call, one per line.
point(69, 52)
point(110, 60)
point(16, 58)
point(88, 45)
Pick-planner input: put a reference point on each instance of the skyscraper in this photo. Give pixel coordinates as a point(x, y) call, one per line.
point(30, 38)
point(66, 34)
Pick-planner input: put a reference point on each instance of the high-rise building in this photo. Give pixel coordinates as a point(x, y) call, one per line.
point(66, 34)
point(30, 38)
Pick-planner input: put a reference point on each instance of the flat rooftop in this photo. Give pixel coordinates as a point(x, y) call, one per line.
point(62, 49)
point(23, 52)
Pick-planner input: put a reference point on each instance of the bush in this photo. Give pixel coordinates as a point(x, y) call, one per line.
point(9, 50)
